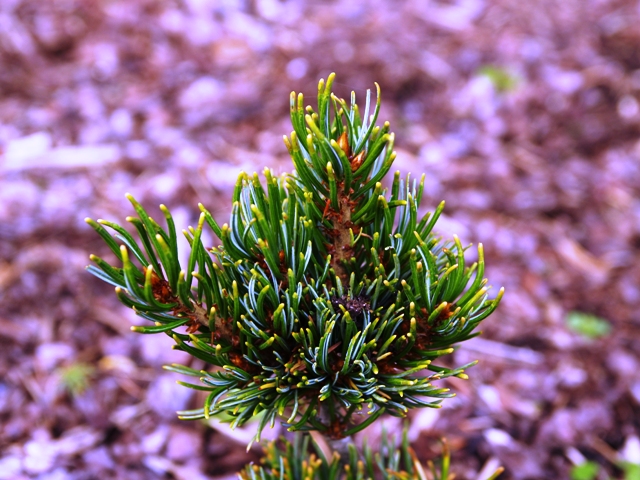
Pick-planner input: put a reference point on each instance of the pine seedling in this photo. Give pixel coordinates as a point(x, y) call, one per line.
point(328, 300)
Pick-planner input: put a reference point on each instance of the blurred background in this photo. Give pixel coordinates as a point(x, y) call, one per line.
point(524, 115)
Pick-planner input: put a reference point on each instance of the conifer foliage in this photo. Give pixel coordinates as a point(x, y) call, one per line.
point(292, 461)
point(328, 299)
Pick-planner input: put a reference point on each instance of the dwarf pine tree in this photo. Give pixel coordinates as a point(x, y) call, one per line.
point(328, 300)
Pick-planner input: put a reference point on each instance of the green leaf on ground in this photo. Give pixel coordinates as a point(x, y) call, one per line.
point(75, 378)
point(631, 470)
point(502, 79)
point(585, 471)
point(588, 325)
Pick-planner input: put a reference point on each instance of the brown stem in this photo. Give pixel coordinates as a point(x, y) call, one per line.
point(342, 246)
point(201, 316)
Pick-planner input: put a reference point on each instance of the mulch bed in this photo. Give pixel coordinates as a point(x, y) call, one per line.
point(525, 116)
